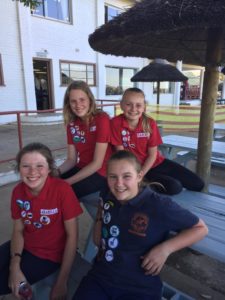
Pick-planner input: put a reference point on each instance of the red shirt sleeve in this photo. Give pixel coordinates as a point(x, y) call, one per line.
point(115, 125)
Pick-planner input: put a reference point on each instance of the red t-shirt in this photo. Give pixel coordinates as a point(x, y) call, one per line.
point(136, 141)
point(44, 215)
point(84, 139)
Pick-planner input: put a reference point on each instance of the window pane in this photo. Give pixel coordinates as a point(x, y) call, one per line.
point(111, 12)
point(127, 74)
point(165, 87)
point(56, 9)
point(39, 10)
point(118, 79)
point(76, 71)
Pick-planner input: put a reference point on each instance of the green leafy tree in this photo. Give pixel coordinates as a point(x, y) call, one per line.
point(32, 3)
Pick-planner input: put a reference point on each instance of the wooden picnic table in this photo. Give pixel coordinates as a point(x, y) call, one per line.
point(171, 143)
point(218, 127)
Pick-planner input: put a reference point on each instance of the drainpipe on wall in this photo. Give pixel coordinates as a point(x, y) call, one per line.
point(21, 52)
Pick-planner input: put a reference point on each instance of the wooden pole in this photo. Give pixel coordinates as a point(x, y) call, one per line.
point(158, 92)
point(208, 105)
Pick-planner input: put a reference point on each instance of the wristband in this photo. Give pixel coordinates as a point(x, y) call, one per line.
point(16, 254)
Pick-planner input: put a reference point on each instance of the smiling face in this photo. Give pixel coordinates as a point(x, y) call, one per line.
point(79, 103)
point(133, 106)
point(34, 171)
point(123, 179)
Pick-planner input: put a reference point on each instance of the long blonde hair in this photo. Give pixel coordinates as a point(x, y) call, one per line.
point(145, 117)
point(68, 115)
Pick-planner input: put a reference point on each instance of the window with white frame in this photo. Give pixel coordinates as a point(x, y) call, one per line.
point(70, 71)
point(54, 9)
point(165, 87)
point(118, 79)
point(1, 72)
point(111, 12)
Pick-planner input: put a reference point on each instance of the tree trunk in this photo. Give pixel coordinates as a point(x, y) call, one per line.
point(208, 105)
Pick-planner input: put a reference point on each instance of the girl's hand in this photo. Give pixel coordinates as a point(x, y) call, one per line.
point(58, 292)
point(153, 261)
point(16, 276)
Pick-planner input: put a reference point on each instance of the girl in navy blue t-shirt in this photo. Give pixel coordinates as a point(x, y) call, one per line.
point(131, 232)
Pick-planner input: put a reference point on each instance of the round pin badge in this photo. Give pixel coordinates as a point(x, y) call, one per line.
point(123, 132)
point(114, 230)
point(106, 206)
point(29, 215)
point(23, 214)
point(76, 139)
point(26, 205)
point(37, 225)
point(113, 242)
point(27, 222)
point(106, 218)
point(19, 203)
point(104, 232)
point(72, 130)
point(45, 220)
point(109, 255)
point(83, 140)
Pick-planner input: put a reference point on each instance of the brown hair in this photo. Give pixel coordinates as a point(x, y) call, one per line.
point(145, 117)
point(68, 115)
point(130, 157)
point(125, 155)
point(40, 148)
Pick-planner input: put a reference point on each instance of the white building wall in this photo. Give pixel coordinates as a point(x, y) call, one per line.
point(23, 36)
point(12, 94)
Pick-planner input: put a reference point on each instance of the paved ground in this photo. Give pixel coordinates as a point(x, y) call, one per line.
point(197, 275)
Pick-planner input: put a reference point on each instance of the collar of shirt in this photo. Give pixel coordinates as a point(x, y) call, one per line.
point(136, 201)
point(126, 125)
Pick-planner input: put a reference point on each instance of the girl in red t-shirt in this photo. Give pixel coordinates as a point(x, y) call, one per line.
point(44, 239)
point(135, 131)
point(88, 135)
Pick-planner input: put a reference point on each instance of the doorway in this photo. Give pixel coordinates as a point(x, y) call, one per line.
point(42, 81)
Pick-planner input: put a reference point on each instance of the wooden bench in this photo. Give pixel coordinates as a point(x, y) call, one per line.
point(183, 157)
point(212, 210)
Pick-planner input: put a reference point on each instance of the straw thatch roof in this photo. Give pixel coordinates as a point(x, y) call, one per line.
point(159, 70)
point(170, 29)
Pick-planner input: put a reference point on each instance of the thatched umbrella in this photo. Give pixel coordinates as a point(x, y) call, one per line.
point(188, 30)
point(157, 71)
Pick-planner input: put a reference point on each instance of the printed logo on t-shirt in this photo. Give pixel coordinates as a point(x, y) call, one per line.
point(139, 224)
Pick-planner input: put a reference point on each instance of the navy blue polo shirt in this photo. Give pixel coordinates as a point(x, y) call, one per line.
point(129, 231)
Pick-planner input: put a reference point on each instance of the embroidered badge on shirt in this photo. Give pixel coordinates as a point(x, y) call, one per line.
point(93, 128)
point(139, 224)
point(143, 134)
point(49, 211)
